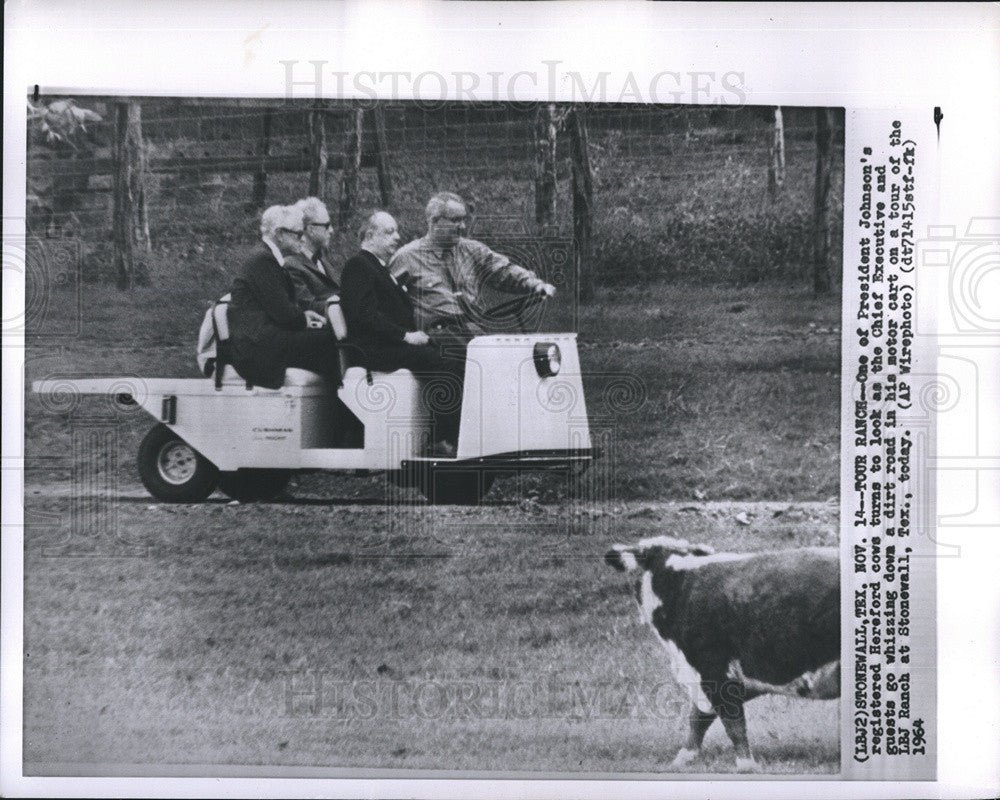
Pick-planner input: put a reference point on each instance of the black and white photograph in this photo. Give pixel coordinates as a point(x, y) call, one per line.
point(425, 424)
point(357, 400)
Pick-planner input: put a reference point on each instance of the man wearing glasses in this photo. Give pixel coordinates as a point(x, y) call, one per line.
point(313, 272)
point(445, 273)
point(268, 331)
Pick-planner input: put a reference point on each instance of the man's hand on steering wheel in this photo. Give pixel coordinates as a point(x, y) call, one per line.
point(314, 319)
point(547, 290)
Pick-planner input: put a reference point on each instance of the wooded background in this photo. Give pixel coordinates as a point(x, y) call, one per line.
point(153, 188)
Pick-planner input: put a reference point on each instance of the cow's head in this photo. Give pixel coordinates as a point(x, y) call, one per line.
point(648, 553)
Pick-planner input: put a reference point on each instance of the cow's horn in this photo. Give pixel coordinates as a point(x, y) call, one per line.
point(621, 557)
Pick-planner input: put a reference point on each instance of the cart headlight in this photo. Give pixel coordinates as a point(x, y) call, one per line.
point(548, 359)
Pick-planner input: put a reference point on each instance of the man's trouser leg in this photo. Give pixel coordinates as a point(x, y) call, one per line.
point(452, 343)
point(316, 351)
point(440, 382)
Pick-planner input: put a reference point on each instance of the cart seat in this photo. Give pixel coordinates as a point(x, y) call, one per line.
point(303, 377)
point(357, 375)
point(293, 377)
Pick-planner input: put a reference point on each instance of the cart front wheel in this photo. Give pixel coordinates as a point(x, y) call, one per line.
point(249, 485)
point(172, 470)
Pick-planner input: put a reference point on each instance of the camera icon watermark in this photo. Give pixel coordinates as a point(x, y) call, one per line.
point(965, 268)
point(73, 484)
point(50, 271)
point(959, 271)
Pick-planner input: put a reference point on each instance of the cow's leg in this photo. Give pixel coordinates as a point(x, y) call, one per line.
point(698, 725)
point(735, 723)
point(728, 700)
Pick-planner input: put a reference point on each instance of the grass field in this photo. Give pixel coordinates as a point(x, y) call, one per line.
point(470, 639)
point(279, 634)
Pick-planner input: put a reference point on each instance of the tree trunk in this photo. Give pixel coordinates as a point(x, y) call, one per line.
point(260, 177)
point(317, 152)
point(352, 166)
point(130, 226)
point(776, 166)
point(545, 165)
point(382, 157)
point(583, 197)
point(821, 198)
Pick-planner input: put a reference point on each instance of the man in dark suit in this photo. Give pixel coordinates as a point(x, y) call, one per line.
point(267, 331)
point(380, 323)
point(312, 270)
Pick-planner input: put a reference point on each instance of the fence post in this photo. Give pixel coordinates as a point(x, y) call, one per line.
point(139, 177)
point(382, 157)
point(545, 165)
point(129, 225)
point(352, 166)
point(317, 151)
point(583, 197)
point(260, 177)
point(776, 166)
point(821, 197)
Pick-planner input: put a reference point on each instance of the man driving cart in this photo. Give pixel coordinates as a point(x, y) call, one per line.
point(445, 274)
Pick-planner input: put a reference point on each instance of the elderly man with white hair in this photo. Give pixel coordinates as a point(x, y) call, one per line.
point(268, 331)
point(314, 274)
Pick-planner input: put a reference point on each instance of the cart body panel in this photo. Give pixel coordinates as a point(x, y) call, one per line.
point(511, 413)
point(507, 407)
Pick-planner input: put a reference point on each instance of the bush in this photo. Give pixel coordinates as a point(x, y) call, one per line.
point(705, 218)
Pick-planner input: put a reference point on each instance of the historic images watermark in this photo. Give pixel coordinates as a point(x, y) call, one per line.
point(326, 694)
point(433, 87)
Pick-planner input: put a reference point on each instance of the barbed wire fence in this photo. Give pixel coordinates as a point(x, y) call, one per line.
point(644, 193)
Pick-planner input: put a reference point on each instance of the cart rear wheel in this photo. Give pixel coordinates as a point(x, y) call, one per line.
point(172, 470)
point(248, 485)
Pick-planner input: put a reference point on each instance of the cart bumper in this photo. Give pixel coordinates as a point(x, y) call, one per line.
point(518, 461)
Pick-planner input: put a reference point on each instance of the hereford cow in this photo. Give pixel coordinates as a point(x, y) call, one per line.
point(737, 625)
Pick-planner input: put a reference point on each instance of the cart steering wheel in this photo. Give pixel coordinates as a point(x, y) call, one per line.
point(516, 308)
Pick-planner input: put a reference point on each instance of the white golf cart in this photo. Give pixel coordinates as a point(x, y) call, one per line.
point(523, 409)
